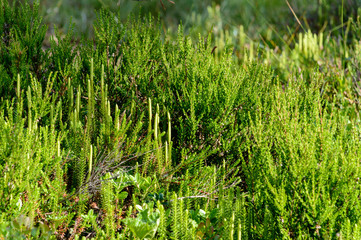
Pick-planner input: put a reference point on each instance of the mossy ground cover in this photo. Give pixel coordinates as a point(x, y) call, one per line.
point(140, 133)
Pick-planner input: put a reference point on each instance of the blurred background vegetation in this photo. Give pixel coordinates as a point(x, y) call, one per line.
point(257, 17)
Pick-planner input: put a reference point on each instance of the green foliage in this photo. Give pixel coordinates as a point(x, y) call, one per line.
point(21, 45)
point(108, 205)
point(146, 224)
point(141, 134)
point(23, 228)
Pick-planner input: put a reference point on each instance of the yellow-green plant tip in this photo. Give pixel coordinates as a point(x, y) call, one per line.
point(18, 86)
point(156, 127)
point(166, 154)
point(59, 148)
point(169, 129)
point(90, 162)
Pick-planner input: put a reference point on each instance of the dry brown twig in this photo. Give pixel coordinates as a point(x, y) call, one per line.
point(161, 2)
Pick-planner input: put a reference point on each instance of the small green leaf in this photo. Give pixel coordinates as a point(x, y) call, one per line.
point(123, 195)
point(146, 223)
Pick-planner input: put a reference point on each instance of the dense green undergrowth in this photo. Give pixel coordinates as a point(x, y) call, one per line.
point(136, 134)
